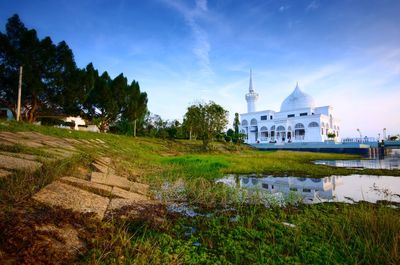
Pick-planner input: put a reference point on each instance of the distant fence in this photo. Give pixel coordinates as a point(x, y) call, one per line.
point(359, 140)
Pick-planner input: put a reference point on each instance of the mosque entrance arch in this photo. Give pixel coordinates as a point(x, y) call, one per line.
point(272, 133)
point(253, 133)
point(281, 133)
point(299, 132)
point(264, 133)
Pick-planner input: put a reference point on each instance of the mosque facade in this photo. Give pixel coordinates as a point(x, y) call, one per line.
point(298, 120)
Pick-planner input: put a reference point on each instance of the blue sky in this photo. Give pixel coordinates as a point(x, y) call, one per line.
point(345, 53)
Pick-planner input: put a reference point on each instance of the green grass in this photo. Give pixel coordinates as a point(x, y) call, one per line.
point(322, 234)
point(236, 232)
point(152, 158)
point(22, 184)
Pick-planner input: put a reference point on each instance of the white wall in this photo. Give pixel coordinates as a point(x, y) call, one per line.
point(312, 134)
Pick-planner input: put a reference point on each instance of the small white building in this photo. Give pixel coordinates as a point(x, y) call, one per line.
point(298, 120)
point(6, 114)
point(81, 124)
point(78, 121)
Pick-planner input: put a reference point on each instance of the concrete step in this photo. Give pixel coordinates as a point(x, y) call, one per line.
point(111, 180)
point(100, 189)
point(70, 197)
point(9, 162)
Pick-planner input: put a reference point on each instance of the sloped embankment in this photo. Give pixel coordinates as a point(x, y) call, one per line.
point(58, 222)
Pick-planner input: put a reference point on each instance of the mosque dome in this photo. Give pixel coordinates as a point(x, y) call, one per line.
point(297, 100)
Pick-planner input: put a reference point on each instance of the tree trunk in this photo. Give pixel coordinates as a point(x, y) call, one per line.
point(134, 128)
point(103, 124)
point(32, 112)
point(206, 141)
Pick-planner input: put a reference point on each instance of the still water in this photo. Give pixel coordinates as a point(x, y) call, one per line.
point(391, 160)
point(348, 189)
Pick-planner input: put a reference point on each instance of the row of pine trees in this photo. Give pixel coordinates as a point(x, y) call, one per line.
point(54, 85)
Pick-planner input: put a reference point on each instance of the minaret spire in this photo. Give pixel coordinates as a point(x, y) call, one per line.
point(252, 96)
point(251, 90)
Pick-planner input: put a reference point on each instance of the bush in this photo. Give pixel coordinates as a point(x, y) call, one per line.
point(228, 138)
point(331, 135)
point(122, 127)
point(220, 137)
point(53, 121)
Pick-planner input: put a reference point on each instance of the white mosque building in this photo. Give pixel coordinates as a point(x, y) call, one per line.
point(298, 120)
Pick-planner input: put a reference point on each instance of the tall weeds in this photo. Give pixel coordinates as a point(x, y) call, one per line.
point(22, 184)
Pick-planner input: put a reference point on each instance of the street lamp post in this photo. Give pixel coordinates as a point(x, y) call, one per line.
point(358, 130)
point(384, 133)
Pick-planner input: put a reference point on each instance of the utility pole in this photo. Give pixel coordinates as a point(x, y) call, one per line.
point(19, 94)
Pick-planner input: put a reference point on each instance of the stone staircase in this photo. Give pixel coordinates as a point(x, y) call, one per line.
point(104, 193)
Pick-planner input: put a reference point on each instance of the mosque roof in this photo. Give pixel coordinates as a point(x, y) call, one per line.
point(297, 100)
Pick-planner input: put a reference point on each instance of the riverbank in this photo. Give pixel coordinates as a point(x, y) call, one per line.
point(224, 229)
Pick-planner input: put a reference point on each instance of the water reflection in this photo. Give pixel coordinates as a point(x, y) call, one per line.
point(329, 189)
point(391, 160)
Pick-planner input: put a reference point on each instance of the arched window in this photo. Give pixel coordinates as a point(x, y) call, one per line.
point(313, 124)
point(264, 133)
point(280, 133)
point(244, 123)
point(253, 122)
point(272, 134)
point(299, 131)
point(280, 129)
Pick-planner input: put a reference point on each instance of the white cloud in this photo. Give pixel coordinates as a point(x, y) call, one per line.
point(312, 6)
point(202, 4)
point(202, 47)
point(283, 8)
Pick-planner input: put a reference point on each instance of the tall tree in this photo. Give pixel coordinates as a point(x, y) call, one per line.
point(191, 121)
point(236, 123)
point(69, 94)
point(207, 120)
point(89, 76)
point(135, 105)
point(48, 70)
point(103, 105)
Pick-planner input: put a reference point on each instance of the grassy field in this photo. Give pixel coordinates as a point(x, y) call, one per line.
point(153, 158)
point(230, 230)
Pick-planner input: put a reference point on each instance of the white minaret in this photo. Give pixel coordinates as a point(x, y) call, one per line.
point(251, 97)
